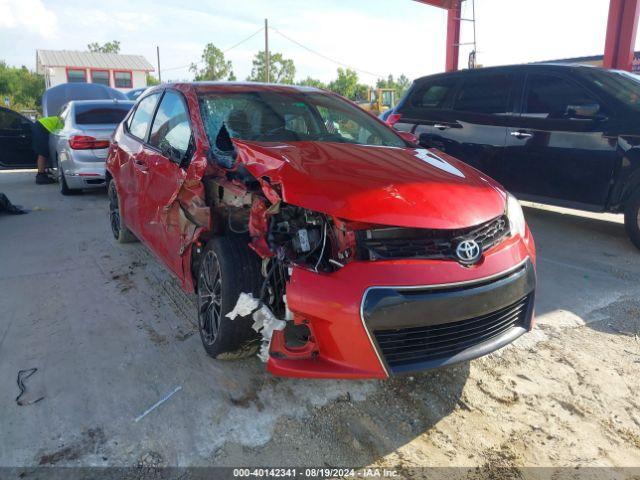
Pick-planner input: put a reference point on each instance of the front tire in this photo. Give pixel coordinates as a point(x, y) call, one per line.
point(632, 218)
point(120, 231)
point(227, 268)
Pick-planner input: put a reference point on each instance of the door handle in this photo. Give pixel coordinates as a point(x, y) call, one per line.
point(519, 134)
point(440, 126)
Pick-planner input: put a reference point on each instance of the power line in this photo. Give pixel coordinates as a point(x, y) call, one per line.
point(376, 75)
point(245, 40)
point(223, 51)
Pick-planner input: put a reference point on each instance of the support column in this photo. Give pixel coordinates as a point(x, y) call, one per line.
point(453, 35)
point(622, 27)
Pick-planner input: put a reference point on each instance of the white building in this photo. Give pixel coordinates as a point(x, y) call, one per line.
point(123, 72)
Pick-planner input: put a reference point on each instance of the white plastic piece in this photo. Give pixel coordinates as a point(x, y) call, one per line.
point(246, 304)
point(265, 322)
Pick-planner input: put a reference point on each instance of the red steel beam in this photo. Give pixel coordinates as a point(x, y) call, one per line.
point(454, 10)
point(438, 3)
point(622, 27)
point(453, 36)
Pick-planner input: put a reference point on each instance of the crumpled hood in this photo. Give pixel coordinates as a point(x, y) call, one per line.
point(383, 185)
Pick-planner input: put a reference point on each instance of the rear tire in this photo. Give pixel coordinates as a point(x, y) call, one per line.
point(632, 218)
point(227, 268)
point(64, 188)
point(120, 231)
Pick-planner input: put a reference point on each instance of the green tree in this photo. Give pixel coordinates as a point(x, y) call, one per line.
point(281, 70)
point(215, 66)
point(312, 82)
point(151, 80)
point(23, 87)
point(108, 47)
point(400, 86)
point(347, 85)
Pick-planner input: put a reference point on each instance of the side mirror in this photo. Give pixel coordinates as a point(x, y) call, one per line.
point(586, 111)
point(408, 137)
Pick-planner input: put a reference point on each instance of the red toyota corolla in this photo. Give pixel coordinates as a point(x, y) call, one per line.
point(315, 235)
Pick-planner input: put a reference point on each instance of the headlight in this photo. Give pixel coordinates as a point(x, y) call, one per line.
point(515, 216)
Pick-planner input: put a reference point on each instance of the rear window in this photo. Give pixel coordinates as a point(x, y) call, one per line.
point(100, 114)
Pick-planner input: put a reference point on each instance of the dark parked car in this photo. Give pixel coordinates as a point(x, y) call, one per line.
point(15, 140)
point(559, 134)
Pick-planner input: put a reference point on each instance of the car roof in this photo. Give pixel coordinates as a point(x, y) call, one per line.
point(506, 68)
point(256, 86)
point(129, 103)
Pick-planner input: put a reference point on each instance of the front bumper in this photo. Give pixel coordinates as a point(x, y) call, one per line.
point(364, 314)
point(418, 328)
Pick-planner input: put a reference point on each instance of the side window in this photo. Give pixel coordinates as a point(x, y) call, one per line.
point(171, 125)
point(434, 94)
point(140, 120)
point(488, 94)
point(10, 120)
point(549, 96)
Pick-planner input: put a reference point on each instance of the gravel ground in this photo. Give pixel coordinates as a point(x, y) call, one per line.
point(111, 334)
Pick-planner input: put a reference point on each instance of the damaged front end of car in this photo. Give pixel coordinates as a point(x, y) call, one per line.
point(285, 237)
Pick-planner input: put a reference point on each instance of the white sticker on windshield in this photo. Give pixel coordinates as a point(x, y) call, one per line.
point(432, 159)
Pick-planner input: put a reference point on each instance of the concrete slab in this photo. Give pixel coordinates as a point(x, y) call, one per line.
point(111, 333)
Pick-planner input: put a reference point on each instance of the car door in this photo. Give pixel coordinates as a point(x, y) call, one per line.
point(555, 153)
point(472, 122)
point(166, 156)
point(133, 171)
point(16, 150)
point(427, 110)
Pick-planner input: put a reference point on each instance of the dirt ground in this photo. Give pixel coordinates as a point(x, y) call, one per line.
point(111, 334)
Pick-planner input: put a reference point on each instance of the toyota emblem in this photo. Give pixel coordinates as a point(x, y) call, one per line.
point(468, 251)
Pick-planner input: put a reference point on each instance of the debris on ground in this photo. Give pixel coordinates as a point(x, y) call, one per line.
point(22, 376)
point(157, 404)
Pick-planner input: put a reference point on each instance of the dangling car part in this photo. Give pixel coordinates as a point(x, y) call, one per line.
point(314, 234)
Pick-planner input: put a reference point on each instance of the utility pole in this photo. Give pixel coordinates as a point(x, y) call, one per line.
point(159, 74)
point(266, 49)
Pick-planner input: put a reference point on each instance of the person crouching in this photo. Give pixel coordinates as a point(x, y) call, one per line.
point(41, 131)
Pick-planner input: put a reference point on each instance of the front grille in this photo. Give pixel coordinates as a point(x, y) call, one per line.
point(432, 342)
point(398, 242)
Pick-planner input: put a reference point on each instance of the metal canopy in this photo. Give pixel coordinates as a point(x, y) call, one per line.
point(622, 26)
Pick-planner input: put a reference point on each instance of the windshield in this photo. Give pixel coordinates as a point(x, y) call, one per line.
point(267, 116)
point(624, 86)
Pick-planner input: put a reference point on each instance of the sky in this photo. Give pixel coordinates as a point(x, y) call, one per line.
point(375, 37)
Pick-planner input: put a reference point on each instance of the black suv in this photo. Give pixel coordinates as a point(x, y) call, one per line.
point(560, 134)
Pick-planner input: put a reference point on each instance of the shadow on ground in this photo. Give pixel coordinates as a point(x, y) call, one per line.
point(345, 431)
